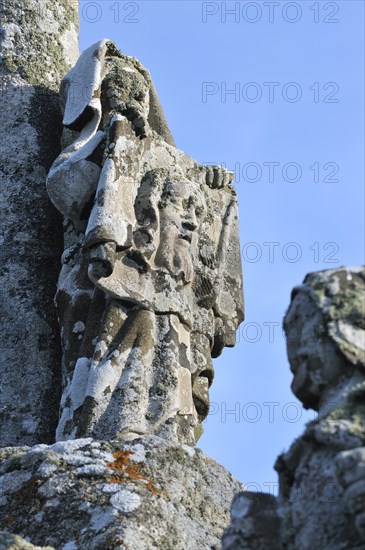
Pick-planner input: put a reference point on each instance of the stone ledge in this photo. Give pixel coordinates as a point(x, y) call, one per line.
point(144, 494)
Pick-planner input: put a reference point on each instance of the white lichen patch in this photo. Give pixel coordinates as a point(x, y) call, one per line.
point(125, 501)
point(45, 470)
point(78, 459)
point(129, 69)
point(101, 347)
point(38, 448)
point(91, 469)
point(69, 447)
point(75, 393)
point(110, 488)
point(78, 327)
point(10, 32)
point(103, 455)
point(189, 450)
point(101, 377)
point(138, 452)
point(334, 287)
point(353, 335)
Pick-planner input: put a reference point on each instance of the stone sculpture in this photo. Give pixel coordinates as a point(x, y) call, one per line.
point(151, 284)
point(322, 476)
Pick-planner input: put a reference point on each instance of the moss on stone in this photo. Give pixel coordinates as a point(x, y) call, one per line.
point(358, 428)
point(47, 64)
point(10, 457)
point(9, 63)
point(355, 414)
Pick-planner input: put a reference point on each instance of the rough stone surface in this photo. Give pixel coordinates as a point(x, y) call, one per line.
point(322, 476)
point(38, 43)
point(255, 523)
point(8, 541)
point(146, 494)
point(150, 290)
point(151, 284)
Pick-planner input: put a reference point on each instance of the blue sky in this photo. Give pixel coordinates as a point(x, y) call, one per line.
point(293, 132)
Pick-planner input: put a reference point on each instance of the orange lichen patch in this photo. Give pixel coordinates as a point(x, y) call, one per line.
point(127, 470)
point(116, 479)
point(121, 460)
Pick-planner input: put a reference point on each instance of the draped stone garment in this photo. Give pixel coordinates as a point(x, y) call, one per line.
point(151, 284)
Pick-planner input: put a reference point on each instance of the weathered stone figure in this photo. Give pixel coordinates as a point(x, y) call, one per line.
point(322, 476)
point(151, 285)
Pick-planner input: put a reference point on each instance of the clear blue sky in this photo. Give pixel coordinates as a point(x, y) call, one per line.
point(293, 131)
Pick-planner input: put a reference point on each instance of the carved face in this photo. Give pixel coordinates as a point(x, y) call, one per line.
point(125, 90)
point(182, 208)
point(313, 357)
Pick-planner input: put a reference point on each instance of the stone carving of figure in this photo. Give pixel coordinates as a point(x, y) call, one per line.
point(322, 476)
point(151, 284)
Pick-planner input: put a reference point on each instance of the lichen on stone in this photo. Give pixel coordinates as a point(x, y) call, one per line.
point(142, 496)
point(36, 51)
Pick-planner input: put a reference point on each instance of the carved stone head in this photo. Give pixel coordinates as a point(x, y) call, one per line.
point(182, 208)
point(325, 330)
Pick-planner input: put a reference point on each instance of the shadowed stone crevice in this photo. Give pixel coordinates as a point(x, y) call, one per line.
point(255, 523)
point(38, 42)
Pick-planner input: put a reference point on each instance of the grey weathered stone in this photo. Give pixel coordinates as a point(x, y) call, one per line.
point(8, 541)
point(38, 43)
point(151, 283)
point(322, 476)
point(147, 494)
point(255, 523)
